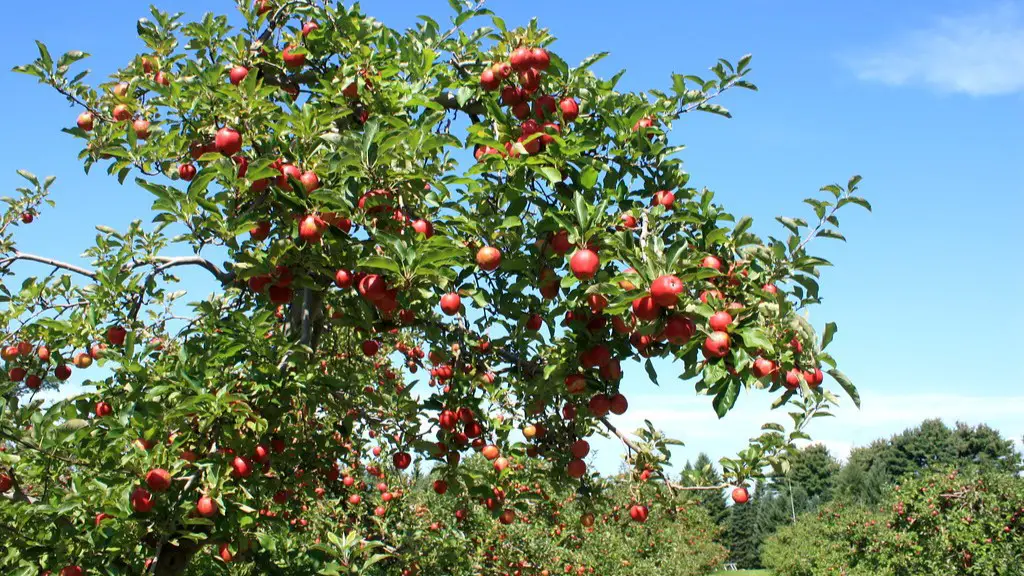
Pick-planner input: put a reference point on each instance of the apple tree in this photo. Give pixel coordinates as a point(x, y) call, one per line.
point(427, 243)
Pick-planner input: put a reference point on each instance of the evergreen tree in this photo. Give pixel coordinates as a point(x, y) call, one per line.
point(703, 473)
point(742, 534)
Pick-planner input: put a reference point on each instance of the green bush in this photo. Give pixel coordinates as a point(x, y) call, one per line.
point(964, 523)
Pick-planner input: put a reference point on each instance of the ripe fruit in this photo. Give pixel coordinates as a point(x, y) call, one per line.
point(679, 329)
point(576, 468)
point(535, 322)
point(241, 467)
point(16, 374)
point(584, 264)
point(5, 482)
point(116, 335)
point(666, 289)
point(529, 80)
point(440, 486)
point(369, 347)
point(488, 258)
point(291, 59)
point(540, 59)
point(560, 242)
point(33, 382)
point(122, 113)
point(720, 321)
point(521, 59)
point(85, 121)
point(711, 262)
point(103, 409)
point(311, 229)
point(355, 499)
point(310, 181)
point(814, 377)
point(638, 513)
point(158, 480)
point(260, 232)
point(663, 198)
point(512, 95)
point(62, 372)
point(450, 303)
point(488, 81)
point(716, 345)
point(599, 405)
point(643, 123)
point(162, 79)
point(500, 464)
point(740, 495)
point(424, 227)
point(224, 551)
point(206, 507)
point(187, 172)
point(402, 460)
point(793, 378)
point(288, 171)
point(141, 128)
point(228, 141)
point(570, 109)
point(490, 451)
point(645, 308)
point(763, 367)
point(82, 360)
point(141, 500)
point(619, 404)
point(309, 27)
point(71, 571)
point(579, 449)
point(237, 74)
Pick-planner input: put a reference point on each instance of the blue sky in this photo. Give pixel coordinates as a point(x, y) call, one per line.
point(924, 99)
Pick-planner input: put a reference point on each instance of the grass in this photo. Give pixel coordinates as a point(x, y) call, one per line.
point(742, 573)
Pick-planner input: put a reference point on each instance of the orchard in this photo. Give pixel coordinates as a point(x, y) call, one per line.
point(435, 251)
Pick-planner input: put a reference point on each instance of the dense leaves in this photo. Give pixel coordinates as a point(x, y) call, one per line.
point(427, 243)
point(950, 522)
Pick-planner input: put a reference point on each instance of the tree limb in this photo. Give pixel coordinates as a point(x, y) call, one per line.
point(43, 260)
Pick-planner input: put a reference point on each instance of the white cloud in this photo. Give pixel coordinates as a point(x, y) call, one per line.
point(980, 54)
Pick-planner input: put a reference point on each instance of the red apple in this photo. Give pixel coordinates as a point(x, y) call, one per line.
point(716, 345)
point(424, 227)
point(793, 378)
point(570, 109)
point(740, 495)
point(207, 507)
point(102, 409)
point(86, 121)
point(402, 460)
point(712, 262)
point(534, 322)
point(116, 335)
point(291, 59)
point(521, 59)
point(228, 141)
point(141, 500)
point(663, 198)
point(311, 229)
point(619, 404)
point(584, 264)
point(576, 468)
point(488, 81)
point(638, 513)
point(308, 27)
point(720, 321)
point(488, 258)
point(763, 367)
point(343, 279)
point(645, 308)
point(369, 347)
point(540, 59)
point(440, 486)
point(158, 480)
point(237, 74)
point(62, 372)
point(187, 171)
point(260, 232)
point(450, 303)
point(141, 128)
point(310, 181)
point(122, 113)
point(666, 290)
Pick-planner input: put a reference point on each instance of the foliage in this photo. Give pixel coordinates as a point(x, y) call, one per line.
point(317, 152)
point(951, 522)
point(702, 472)
point(926, 447)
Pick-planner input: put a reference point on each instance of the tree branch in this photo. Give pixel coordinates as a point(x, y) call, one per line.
point(625, 439)
point(172, 261)
point(43, 260)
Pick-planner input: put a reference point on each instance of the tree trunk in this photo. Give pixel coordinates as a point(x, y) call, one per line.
point(174, 559)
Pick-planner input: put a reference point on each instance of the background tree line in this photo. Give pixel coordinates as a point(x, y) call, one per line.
point(816, 478)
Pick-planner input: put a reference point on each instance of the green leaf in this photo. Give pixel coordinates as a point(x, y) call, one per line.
point(830, 233)
point(847, 385)
point(725, 399)
point(381, 263)
point(549, 172)
point(830, 331)
point(591, 60)
point(651, 372)
point(369, 133)
point(44, 55)
point(589, 177)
